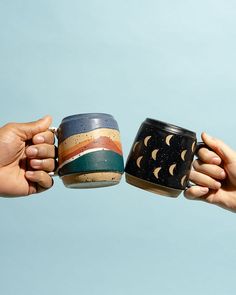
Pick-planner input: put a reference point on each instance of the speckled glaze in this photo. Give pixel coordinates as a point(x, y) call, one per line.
point(89, 151)
point(161, 157)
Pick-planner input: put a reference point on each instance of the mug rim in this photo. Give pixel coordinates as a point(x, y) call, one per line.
point(170, 127)
point(86, 115)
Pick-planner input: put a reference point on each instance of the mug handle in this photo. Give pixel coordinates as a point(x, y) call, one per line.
point(200, 144)
point(54, 131)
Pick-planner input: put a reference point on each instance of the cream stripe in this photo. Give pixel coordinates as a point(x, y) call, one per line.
point(78, 138)
point(82, 154)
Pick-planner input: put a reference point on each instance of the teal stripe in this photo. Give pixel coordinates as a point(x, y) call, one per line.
point(94, 162)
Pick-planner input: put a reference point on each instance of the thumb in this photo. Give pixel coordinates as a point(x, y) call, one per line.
point(227, 154)
point(28, 130)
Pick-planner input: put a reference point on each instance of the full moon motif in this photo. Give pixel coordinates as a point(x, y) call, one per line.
point(138, 162)
point(168, 138)
point(171, 169)
point(156, 172)
point(146, 140)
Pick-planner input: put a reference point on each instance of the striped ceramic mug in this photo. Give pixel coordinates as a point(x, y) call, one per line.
point(89, 151)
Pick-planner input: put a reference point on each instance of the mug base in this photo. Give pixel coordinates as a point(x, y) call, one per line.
point(91, 180)
point(151, 187)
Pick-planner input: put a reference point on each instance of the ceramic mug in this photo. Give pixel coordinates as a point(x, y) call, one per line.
point(89, 151)
point(161, 157)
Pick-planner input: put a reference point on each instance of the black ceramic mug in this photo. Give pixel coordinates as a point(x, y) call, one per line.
point(161, 157)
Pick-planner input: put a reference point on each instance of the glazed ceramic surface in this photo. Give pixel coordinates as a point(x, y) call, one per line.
point(161, 158)
point(89, 150)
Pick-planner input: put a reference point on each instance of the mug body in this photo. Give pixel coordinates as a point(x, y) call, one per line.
point(161, 157)
point(89, 151)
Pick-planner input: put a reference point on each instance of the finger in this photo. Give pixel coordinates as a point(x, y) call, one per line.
point(209, 196)
point(41, 151)
point(204, 180)
point(44, 137)
point(41, 178)
point(223, 150)
point(47, 165)
point(211, 170)
point(196, 192)
point(28, 130)
point(207, 156)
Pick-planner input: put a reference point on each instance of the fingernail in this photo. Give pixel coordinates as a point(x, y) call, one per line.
point(204, 190)
point(223, 174)
point(36, 163)
point(29, 173)
point(32, 152)
point(39, 138)
point(216, 160)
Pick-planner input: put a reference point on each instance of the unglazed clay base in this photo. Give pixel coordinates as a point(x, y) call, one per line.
point(91, 180)
point(151, 187)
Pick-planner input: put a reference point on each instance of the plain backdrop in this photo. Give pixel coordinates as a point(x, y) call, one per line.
point(170, 60)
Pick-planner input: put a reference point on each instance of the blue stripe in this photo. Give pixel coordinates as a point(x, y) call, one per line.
point(82, 123)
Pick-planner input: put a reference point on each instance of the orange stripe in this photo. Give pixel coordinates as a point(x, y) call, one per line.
point(66, 151)
point(102, 142)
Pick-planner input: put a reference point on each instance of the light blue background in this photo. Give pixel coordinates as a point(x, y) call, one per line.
point(170, 60)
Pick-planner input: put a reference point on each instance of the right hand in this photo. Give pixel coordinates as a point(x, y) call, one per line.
point(214, 173)
point(27, 154)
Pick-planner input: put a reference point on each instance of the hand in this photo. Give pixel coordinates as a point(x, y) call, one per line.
point(215, 175)
point(27, 154)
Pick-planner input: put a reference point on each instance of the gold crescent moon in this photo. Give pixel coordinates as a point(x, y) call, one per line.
point(183, 180)
point(183, 154)
point(171, 169)
point(138, 162)
point(154, 154)
point(134, 147)
point(168, 138)
point(156, 172)
point(146, 140)
point(193, 146)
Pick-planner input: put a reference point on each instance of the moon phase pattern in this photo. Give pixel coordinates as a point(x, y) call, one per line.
point(138, 162)
point(183, 154)
point(172, 168)
point(135, 145)
point(193, 146)
point(183, 180)
point(156, 172)
point(168, 138)
point(146, 140)
point(154, 154)
point(161, 157)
